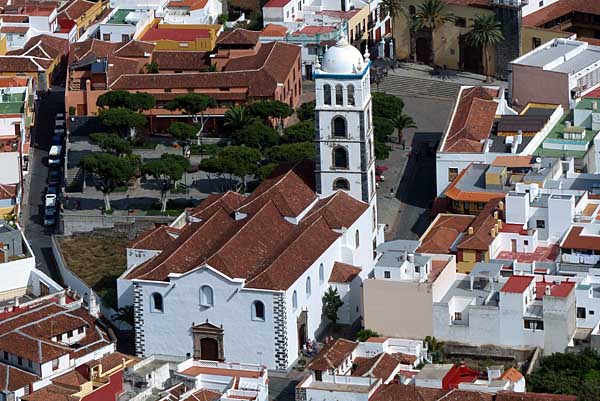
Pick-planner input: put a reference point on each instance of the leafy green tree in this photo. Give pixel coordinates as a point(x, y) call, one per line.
point(123, 120)
point(112, 143)
point(386, 106)
point(435, 347)
point(486, 32)
point(331, 303)
point(238, 117)
point(382, 151)
point(184, 133)
point(138, 101)
point(364, 334)
point(237, 161)
point(431, 15)
point(568, 373)
point(303, 131)
point(289, 152)
point(151, 68)
point(125, 314)
point(268, 110)
point(256, 135)
point(401, 122)
point(265, 171)
point(168, 169)
point(383, 129)
point(306, 111)
point(111, 171)
point(195, 106)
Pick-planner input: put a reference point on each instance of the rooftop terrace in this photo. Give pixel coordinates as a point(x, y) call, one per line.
point(119, 16)
point(12, 103)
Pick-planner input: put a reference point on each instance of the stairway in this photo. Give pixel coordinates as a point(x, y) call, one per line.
point(418, 87)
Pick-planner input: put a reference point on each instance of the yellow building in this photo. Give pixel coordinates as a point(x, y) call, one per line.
point(192, 37)
point(81, 12)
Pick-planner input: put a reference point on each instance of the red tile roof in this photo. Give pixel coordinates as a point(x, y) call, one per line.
point(8, 191)
point(274, 30)
point(506, 396)
point(50, 393)
point(191, 4)
point(560, 8)
point(23, 64)
point(561, 290)
point(43, 46)
point(261, 247)
point(181, 60)
point(178, 35)
point(481, 239)
point(12, 379)
point(14, 29)
point(512, 375)
point(343, 273)
point(456, 194)
point(276, 3)
point(332, 355)
point(513, 161)
point(237, 37)
point(76, 9)
point(312, 30)
point(474, 116)
point(72, 379)
point(156, 239)
point(340, 14)
point(443, 233)
point(381, 366)
point(517, 284)
point(576, 239)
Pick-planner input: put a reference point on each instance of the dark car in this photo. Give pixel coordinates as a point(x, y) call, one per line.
point(49, 216)
point(57, 140)
point(54, 177)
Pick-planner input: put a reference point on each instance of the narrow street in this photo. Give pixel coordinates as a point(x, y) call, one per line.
point(38, 236)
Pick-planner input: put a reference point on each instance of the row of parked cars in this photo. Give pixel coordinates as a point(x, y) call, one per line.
point(55, 161)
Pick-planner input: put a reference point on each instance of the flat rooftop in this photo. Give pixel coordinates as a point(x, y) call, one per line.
point(341, 387)
point(206, 370)
point(480, 293)
point(566, 56)
point(119, 16)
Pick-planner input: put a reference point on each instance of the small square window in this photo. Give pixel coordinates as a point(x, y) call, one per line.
point(387, 274)
point(417, 269)
point(540, 224)
point(581, 313)
point(452, 173)
point(106, 37)
point(457, 315)
point(591, 312)
point(525, 242)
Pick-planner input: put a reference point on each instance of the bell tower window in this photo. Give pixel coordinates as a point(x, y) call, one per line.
point(340, 157)
point(339, 95)
point(339, 127)
point(327, 94)
point(351, 101)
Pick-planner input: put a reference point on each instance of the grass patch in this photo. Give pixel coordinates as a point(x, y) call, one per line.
point(97, 260)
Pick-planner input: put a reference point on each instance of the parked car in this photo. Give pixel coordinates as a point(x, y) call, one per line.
point(51, 192)
point(49, 216)
point(60, 116)
point(55, 155)
point(54, 177)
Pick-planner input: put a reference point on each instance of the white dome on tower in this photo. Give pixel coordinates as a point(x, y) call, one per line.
point(343, 58)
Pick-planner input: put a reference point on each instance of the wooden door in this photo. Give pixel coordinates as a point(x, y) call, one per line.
point(209, 349)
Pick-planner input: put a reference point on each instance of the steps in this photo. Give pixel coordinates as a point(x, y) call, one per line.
point(418, 87)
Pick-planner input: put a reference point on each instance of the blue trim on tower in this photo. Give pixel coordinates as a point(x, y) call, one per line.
point(343, 76)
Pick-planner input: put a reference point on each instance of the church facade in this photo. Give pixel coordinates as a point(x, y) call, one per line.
point(241, 278)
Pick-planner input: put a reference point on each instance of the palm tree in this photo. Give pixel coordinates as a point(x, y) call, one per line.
point(401, 122)
point(237, 117)
point(435, 347)
point(432, 14)
point(486, 32)
point(393, 8)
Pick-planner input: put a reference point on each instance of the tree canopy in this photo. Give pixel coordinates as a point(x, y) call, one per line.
point(266, 109)
point(168, 169)
point(192, 104)
point(331, 303)
point(568, 373)
point(306, 111)
point(386, 106)
point(238, 161)
point(303, 131)
point(133, 101)
point(237, 117)
point(256, 135)
point(183, 131)
point(289, 152)
point(122, 120)
point(112, 143)
point(111, 171)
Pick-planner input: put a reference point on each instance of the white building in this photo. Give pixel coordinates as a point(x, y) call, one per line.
point(123, 24)
point(250, 272)
point(190, 11)
point(484, 309)
point(483, 127)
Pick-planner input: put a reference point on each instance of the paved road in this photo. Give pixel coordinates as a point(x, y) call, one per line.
point(32, 213)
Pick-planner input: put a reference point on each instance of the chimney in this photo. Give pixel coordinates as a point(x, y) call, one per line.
point(493, 233)
point(547, 291)
point(411, 257)
point(470, 230)
point(499, 223)
point(496, 215)
point(501, 205)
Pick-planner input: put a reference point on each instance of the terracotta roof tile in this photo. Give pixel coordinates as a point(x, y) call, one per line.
point(482, 228)
point(135, 49)
point(577, 239)
point(238, 36)
point(513, 161)
point(474, 116)
point(381, 366)
point(229, 201)
point(332, 355)
point(505, 396)
point(51, 393)
point(340, 210)
point(191, 4)
point(181, 60)
point(14, 29)
point(443, 233)
point(512, 375)
point(23, 64)
point(559, 9)
point(71, 379)
point(274, 30)
point(180, 35)
point(8, 191)
point(343, 273)
point(12, 379)
point(203, 395)
point(517, 284)
point(43, 46)
point(75, 9)
point(156, 239)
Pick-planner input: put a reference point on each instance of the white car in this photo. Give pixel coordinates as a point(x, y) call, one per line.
point(50, 200)
point(60, 116)
point(59, 123)
point(54, 156)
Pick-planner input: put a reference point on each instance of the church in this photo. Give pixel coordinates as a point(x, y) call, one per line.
point(241, 277)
